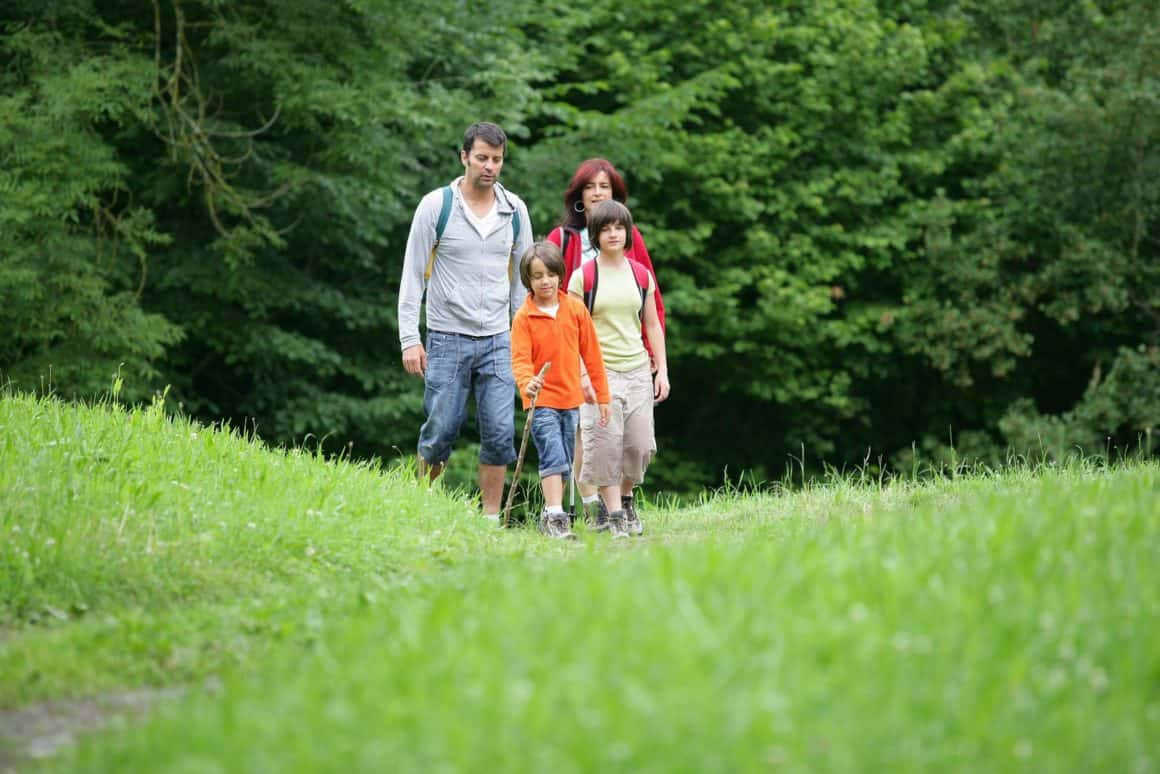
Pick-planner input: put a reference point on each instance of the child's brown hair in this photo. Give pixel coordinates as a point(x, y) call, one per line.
point(609, 212)
point(547, 252)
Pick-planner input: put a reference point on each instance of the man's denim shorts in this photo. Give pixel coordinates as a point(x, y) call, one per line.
point(458, 366)
point(554, 431)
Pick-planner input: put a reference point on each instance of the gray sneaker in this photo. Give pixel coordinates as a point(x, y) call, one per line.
point(632, 523)
point(616, 524)
point(556, 526)
point(562, 526)
point(597, 516)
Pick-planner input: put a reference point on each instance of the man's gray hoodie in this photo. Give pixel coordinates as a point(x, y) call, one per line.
point(474, 287)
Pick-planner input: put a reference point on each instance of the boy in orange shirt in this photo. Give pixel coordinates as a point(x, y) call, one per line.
point(553, 327)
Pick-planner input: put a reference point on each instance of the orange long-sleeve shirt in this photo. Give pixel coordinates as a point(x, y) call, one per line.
point(538, 338)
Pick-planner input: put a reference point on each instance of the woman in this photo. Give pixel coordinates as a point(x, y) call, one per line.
point(595, 181)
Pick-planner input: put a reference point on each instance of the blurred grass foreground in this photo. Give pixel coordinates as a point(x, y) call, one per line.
point(313, 614)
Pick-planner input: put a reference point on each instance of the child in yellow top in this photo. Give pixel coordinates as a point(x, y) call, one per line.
point(617, 452)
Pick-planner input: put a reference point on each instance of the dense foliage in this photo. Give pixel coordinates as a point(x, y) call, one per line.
point(883, 228)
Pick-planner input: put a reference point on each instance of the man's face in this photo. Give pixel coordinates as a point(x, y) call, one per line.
point(481, 165)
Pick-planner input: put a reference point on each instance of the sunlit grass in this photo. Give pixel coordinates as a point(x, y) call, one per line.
point(133, 526)
point(360, 622)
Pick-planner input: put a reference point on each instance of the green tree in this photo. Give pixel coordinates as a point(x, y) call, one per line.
point(781, 160)
point(1046, 276)
point(879, 225)
point(266, 159)
point(76, 242)
point(875, 221)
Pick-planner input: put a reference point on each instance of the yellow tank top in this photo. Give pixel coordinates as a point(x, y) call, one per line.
point(615, 315)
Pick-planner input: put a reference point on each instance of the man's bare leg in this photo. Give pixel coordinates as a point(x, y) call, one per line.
point(491, 487)
point(429, 471)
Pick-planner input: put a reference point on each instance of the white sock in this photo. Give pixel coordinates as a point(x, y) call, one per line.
point(554, 509)
point(590, 499)
point(492, 516)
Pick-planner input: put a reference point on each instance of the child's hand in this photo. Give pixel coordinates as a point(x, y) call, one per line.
point(587, 390)
point(533, 388)
point(661, 387)
point(605, 414)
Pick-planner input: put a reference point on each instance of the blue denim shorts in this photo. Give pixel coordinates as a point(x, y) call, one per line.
point(554, 431)
point(457, 367)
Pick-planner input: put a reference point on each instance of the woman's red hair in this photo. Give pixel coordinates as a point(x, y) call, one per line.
point(585, 173)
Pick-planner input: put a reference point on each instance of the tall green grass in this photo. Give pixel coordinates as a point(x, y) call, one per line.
point(988, 623)
point(140, 548)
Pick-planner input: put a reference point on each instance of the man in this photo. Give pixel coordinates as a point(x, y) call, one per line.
point(471, 277)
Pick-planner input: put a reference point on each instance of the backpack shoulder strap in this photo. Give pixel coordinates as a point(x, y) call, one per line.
point(641, 275)
point(444, 214)
point(565, 238)
point(440, 226)
point(588, 270)
point(515, 241)
point(592, 277)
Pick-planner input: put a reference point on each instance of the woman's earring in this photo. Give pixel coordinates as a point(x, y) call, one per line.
point(578, 207)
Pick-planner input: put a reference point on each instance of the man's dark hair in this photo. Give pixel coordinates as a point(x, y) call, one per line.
point(606, 213)
point(548, 253)
point(490, 133)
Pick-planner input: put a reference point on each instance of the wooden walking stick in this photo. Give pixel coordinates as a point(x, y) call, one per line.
point(507, 509)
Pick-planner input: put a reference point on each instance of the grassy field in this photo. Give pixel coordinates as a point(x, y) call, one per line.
point(321, 616)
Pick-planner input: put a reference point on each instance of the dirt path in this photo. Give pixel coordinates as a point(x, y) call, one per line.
point(40, 730)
